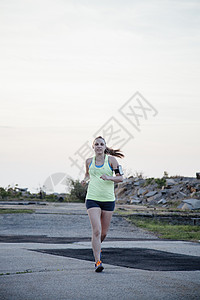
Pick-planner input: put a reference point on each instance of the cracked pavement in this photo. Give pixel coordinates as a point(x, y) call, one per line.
point(47, 255)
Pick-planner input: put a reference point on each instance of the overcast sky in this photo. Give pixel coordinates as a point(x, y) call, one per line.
point(68, 67)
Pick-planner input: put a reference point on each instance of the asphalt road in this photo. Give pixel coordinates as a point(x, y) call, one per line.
point(47, 255)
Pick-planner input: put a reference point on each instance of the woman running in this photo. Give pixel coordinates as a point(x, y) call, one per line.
point(100, 198)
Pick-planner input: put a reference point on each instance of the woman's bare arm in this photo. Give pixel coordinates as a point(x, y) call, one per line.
point(114, 164)
point(87, 176)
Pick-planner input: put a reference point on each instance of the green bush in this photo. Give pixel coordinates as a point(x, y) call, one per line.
point(77, 192)
point(51, 198)
point(3, 193)
point(160, 182)
point(9, 192)
point(149, 181)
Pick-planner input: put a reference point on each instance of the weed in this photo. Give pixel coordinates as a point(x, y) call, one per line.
point(24, 272)
point(149, 181)
point(16, 211)
point(168, 231)
point(160, 182)
point(166, 174)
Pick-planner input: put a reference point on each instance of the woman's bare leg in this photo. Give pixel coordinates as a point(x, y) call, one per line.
point(95, 220)
point(105, 222)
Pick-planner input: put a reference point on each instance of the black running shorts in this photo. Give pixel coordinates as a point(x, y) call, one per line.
point(104, 205)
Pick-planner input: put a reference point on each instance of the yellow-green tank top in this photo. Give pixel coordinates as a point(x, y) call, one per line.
point(99, 189)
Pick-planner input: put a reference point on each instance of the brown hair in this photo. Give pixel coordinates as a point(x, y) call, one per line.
point(111, 151)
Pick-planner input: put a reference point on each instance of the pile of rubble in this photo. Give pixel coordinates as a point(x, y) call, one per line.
point(180, 192)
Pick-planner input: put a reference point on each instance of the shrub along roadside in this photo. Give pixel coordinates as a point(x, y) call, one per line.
point(165, 230)
point(77, 192)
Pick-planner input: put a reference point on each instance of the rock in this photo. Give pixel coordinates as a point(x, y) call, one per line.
point(158, 196)
point(164, 191)
point(186, 206)
point(128, 186)
point(198, 195)
point(142, 181)
point(193, 190)
point(180, 206)
point(142, 191)
point(195, 203)
point(120, 191)
point(124, 182)
point(152, 202)
point(136, 183)
point(170, 181)
point(162, 201)
point(135, 200)
point(185, 182)
point(146, 191)
point(128, 192)
point(139, 181)
point(192, 194)
point(121, 200)
point(151, 193)
point(150, 199)
point(134, 197)
point(182, 194)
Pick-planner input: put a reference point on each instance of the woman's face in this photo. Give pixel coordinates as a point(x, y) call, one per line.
point(99, 146)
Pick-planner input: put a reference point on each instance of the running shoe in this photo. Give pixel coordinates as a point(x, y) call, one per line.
point(98, 266)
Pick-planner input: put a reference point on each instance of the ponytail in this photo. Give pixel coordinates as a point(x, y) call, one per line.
point(111, 151)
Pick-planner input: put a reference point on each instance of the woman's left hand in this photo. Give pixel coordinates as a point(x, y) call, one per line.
point(105, 177)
